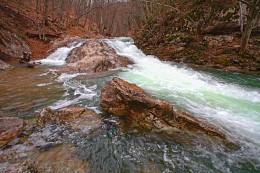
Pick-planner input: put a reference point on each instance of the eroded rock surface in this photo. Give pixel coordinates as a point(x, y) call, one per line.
point(94, 56)
point(10, 127)
point(121, 98)
point(11, 45)
point(76, 114)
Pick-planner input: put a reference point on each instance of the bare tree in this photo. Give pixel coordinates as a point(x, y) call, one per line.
point(253, 7)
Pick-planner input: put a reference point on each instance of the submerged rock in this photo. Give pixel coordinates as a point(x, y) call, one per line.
point(121, 98)
point(3, 65)
point(94, 56)
point(10, 127)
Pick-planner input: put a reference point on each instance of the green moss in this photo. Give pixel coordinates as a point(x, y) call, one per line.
point(222, 60)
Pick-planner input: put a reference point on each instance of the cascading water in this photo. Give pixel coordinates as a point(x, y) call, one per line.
point(232, 105)
point(59, 56)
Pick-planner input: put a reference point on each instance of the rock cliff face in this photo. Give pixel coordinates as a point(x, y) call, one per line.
point(121, 98)
point(11, 45)
point(94, 56)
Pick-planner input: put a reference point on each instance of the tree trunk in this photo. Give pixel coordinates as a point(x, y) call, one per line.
point(251, 19)
point(246, 35)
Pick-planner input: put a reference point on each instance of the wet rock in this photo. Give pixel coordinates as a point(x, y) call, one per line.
point(94, 56)
point(121, 98)
point(46, 116)
point(10, 127)
point(67, 115)
point(3, 65)
point(60, 159)
point(11, 45)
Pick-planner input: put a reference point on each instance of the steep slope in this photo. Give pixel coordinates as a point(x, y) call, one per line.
point(201, 32)
point(20, 30)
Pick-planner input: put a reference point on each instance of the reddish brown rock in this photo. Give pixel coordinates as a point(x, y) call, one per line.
point(10, 128)
point(11, 45)
point(69, 114)
point(121, 98)
point(94, 56)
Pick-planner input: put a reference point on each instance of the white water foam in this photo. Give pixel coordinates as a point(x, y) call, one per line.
point(58, 57)
point(80, 91)
point(231, 107)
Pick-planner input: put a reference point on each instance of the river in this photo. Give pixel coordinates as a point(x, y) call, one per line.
point(229, 101)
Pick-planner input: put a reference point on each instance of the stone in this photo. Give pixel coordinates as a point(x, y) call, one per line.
point(94, 56)
point(10, 128)
point(12, 168)
point(121, 98)
point(3, 65)
point(12, 46)
point(70, 114)
point(46, 116)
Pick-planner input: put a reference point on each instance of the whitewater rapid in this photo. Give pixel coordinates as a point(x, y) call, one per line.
point(233, 108)
point(58, 57)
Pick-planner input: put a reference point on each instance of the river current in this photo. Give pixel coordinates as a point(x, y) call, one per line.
point(229, 101)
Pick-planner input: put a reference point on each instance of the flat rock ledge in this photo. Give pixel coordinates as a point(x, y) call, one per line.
point(10, 128)
point(121, 98)
point(94, 56)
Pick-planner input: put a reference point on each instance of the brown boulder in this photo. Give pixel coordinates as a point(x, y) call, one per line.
point(3, 65)
point(94, 56)
point(69, 114)
point(121, 98)
point(10, 127)
point(11, 45)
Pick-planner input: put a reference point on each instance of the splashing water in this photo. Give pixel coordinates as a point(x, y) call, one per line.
point(59, 56)
point(231, 107)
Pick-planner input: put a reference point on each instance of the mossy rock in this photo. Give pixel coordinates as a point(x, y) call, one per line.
point(222, 60)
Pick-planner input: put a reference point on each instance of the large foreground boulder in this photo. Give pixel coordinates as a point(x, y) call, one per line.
point(121, 98)
point(10, 127)
point(11, 45)
point(94, 56)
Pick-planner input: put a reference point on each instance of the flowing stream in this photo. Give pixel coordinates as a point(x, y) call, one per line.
point(229, 101)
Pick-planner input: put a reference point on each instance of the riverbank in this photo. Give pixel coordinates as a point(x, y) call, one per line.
point(210, 51)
